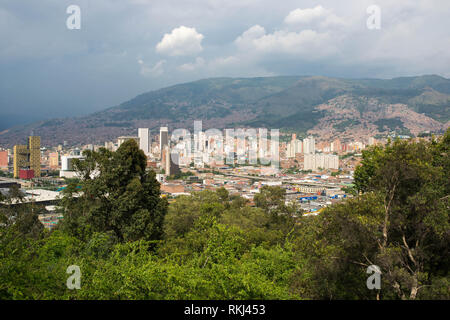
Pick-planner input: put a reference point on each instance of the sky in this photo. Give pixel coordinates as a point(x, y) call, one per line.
point(127, 47)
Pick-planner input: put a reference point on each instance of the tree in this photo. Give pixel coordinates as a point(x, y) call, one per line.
point(20, 217)
point(331, 248)
point(184, 212)
point(20, 233)
point(223, 194)
point(117, 194)
point(270, 199)
point(411, 231)
point(399, 222)
point(282, 216)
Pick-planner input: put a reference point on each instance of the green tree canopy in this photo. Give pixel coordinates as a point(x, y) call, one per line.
point(399, 223)
point(117, 194)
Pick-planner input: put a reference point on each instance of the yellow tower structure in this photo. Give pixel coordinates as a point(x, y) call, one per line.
point(21, 155)
point(28, 156)
point(34, 144)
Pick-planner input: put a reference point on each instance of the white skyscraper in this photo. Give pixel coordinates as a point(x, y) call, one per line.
point(309, 145)
point(323, 161)
point(294, 147)
point(144, 140)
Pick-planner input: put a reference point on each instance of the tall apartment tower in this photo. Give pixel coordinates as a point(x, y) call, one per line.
point(4, 159)
point(170, 161)
point(53, 160)
point(144, 140)
point(309, 145)
point(294, 147)
point(163, 138)
point(324, 161)
point(336, 146)
point(28, 157)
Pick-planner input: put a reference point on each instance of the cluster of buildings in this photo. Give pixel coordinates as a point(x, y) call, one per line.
point(311, 160)
point(307, 155)
point(312, 192)
point(203, 149)
point(308, 146)
point(241, 161)
point(210, 149)
point(317, 161)
point(199, 150)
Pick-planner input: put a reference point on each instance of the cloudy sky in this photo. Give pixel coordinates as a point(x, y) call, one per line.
point(127, 47)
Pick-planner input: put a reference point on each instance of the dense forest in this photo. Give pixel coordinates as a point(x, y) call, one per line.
point(129, 243)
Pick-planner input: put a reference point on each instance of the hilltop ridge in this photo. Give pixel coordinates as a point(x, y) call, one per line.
point(314, 104)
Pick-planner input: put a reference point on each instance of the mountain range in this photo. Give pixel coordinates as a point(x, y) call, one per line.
point(329, 107)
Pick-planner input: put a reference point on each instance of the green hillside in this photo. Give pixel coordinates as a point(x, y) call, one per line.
point(280, 101)
point(285, 102)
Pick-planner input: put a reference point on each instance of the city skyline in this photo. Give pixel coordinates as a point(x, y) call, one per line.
point(202, 149)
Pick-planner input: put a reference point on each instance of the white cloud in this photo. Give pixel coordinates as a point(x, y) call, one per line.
point(225, 62)
point(319, 36)
point(320, 15)
point(283, 41)
point(240, 65)
point(305, 15)
point(181, 41)
point(216, 64)
point(254, 32)
point(199, 62)
point(152, 71)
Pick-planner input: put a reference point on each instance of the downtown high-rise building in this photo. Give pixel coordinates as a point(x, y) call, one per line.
point(309, 145)
point(53, 160)
point(336, 146)
point(170, 161)
point(163, 138)
point(28, 157)
point(144, 140)
point(320, 161)
point(294, 146)
point(4, 159)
